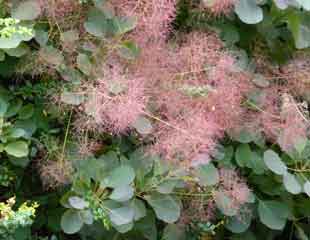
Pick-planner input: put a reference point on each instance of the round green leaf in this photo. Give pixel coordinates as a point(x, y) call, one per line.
point(71, 221)
point(273, 214)
point(121, 176)
point(165, 207)
point(257, 163)
point(17, 149)
point(208, 175)
point(122, 193)
point(291, 184)
point(27, 10)
point(248, 11)
point(77, 202)
point(141, 162)
point(274, 162)
point(121, 216)
point(243, 155)
point(97, 24)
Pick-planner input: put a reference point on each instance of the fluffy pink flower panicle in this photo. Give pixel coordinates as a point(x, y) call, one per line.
point(297, 75)
point(194, 124)
point(219, 7)
point(229, 89)
point(197, 210)
point(154, 18)
point(119, 100)
point(268, 117)
point(199, 50)
point(294, 124)
point(59, 9)
point(234, 187)
point(282, 119)
point(183, 140)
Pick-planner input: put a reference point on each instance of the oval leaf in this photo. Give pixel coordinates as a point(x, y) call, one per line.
point(17, 149)
point(273, 214)
point(208, 175)
point(274, 162)
point(291, 184)
point(78, 203)
point(121, 216)
point(243, 155)
point(165, 207)
point(122, 193)
point(121, 176)
point(71, 221)
point(248, 11)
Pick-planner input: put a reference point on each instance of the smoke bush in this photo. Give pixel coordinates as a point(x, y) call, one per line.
point(187, 85)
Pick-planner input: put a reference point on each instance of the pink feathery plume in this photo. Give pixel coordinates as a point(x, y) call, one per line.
point(234, 187)
point(119, 100)
point(219, 7)
point(186, 138)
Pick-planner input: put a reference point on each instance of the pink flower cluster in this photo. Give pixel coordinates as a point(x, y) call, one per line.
point(219, 7)
point(160, 82)
point(154, 18)
point(283, 120)
point(234, 187)
point(118, 100)
point(188, 87)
